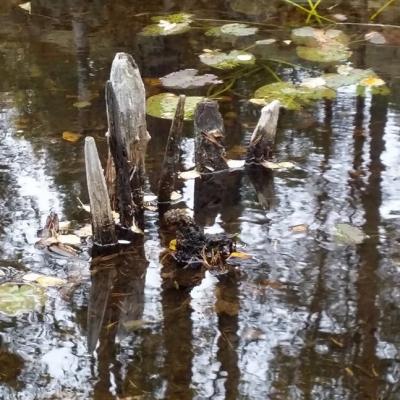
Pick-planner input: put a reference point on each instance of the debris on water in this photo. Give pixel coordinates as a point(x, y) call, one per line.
point(186, 175)
point(193, 252)
point(349, 234)
point(53, 242)
point(18, 298)
point(301, 228)
point(71, 136)
point(43, 280)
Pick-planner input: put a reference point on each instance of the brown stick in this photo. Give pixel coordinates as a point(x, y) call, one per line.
point(171, 156)
point(262, 140)
point(100, 209)
point(209, 133)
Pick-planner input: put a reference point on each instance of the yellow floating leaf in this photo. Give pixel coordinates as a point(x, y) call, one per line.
point(349, 371)
point(240, 254)
point(235, 163)
point(47, 281)
point(278, 166)
point(64, 226)
point(72, 240)
point(172, 245)
point(26, 6)
point(43, 280)
point(82, 104)
point(192, 174)
point(71, 136)
point(175, 196)
point(372, 81)
point(84, 231)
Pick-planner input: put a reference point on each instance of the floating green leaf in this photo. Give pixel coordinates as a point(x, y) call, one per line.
point(349, 234)
point(188, 79)
point(229, 60)
point(321, 46)
point(163, 105)
point(325, 54)
point(166, 25)
point(232, 30)
point(292, 97)
point(347, 76)
point(19, 298)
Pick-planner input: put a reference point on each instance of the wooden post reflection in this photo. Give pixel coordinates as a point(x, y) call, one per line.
point(227, 308)
point(367, 282)
point(116, 300)
point(178, 337)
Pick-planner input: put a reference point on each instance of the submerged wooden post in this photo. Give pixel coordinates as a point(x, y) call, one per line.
point(209, 133)
point(126, 206)
point(130, 118)
point(262, 140)
point(100, 209)
point(171, 156)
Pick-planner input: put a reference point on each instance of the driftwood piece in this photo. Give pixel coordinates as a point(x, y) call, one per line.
point(126, 206)
point(131, 100)
point(209, 133)
point(262, 140)
point(171, 157)
point(100, 209)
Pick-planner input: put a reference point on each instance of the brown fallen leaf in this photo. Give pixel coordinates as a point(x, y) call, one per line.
point(301, 228)
point(71, 136)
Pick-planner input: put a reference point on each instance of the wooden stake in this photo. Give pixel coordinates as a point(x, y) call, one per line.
point(171, 157)
point(100, 209)
point(131, 100)
point(209, 133)
point(262, 140)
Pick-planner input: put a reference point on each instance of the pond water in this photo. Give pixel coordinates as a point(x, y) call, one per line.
point(308, 317)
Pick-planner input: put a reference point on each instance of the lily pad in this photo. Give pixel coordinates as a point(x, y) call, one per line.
point(163, 105)
point(321, 45)
point(231, 60)
point(166, 25)
point(350, 234)
point(188, 79)
point(292, 97)
point(20, 298)
point(324, 54)
point(235, 30)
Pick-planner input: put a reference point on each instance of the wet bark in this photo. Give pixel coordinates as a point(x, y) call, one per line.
point(262, 140)
point(171, 157)
point(102, 220)
point(126, 207)
point(209, 133)
point(130, 100)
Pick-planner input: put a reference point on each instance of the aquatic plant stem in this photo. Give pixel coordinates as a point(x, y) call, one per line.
point(387, 4)
point(313, 11)
point(307, 11)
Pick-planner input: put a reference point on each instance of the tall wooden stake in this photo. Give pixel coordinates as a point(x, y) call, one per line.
point(100, 209)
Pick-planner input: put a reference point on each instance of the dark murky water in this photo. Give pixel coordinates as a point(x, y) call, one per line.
point(308, 318)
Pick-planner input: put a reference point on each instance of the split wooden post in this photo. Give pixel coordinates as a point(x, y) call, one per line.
point(100, 209)
point(262, 140)
point(126, 206)
point(130, 117)
point(171, 156)
point(209, 133)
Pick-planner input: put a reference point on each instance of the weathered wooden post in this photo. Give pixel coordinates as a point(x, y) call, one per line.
point(100, 209)
point(171, 156)
point(209, 134)
point(262, 140)
point(126, 110)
